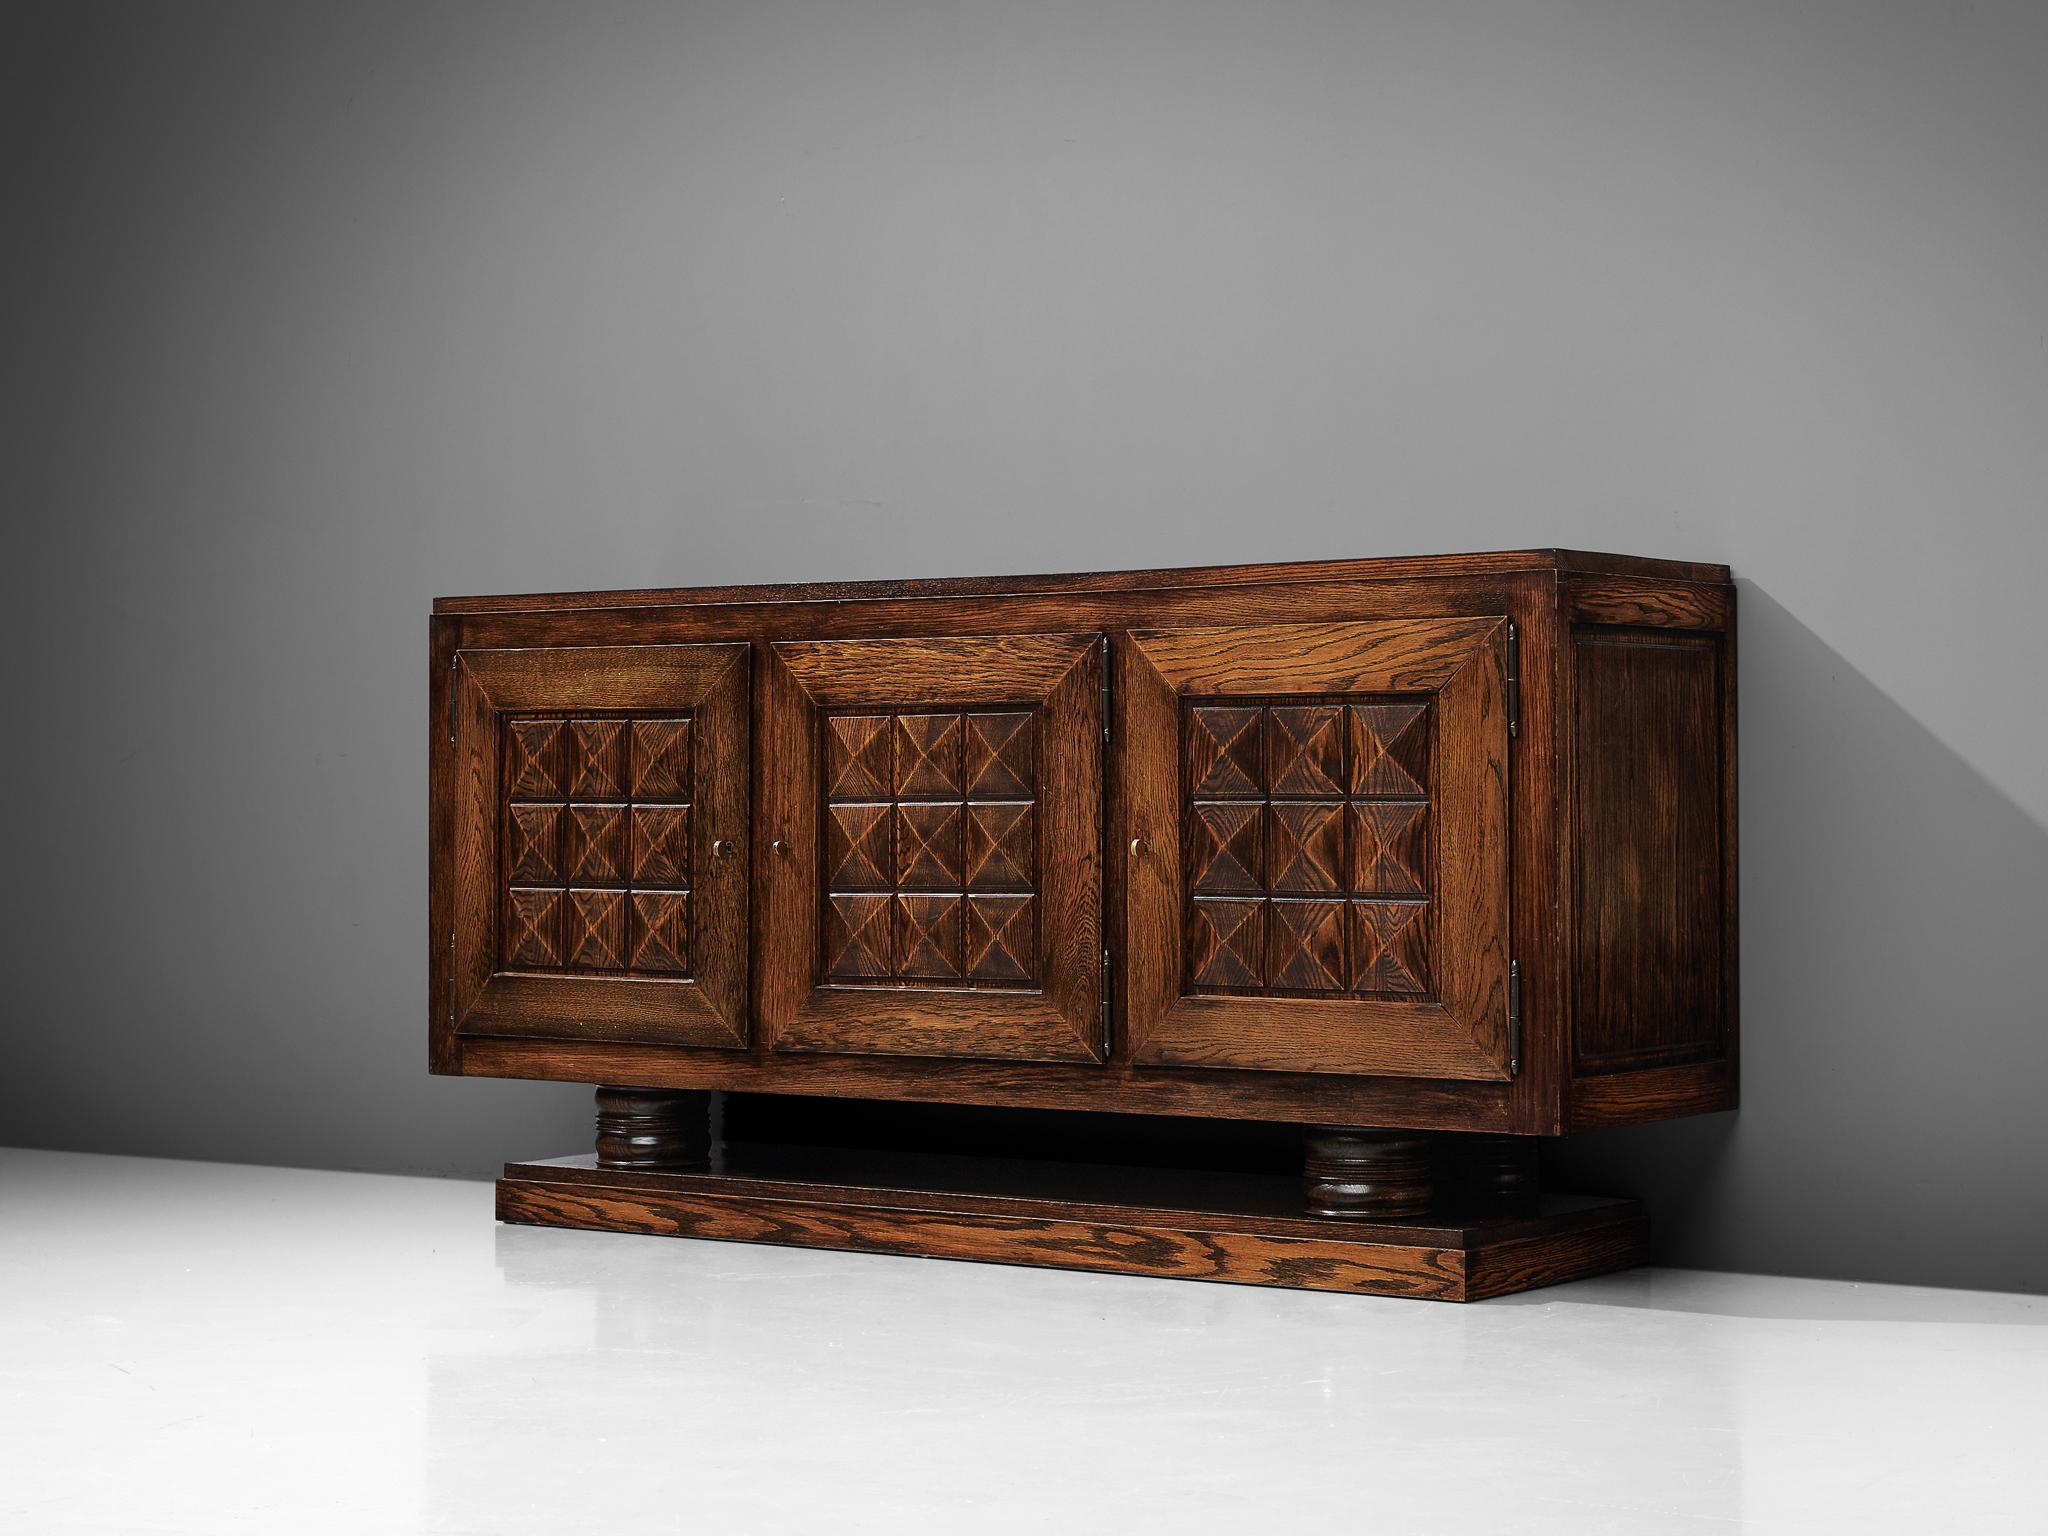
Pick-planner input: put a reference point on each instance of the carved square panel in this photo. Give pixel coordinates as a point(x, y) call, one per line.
point(857, 843)
point(1371, 933)
point(1305, 846)
point(660, 931)
point(928, 851)
point(533, 757)
point(661, 845)
point(1320, 798)
point(594, 845)
point(533, 845)
point(1227, 942)
point(1390, 847)
point(561, 860)
point(1227, 848)
point(999, 761)
point(597, 929)
point(570, 779)
point(1305, 945)
point(857, 757)
point(1389, 749)
point(1002, 938)
point(1389, 946)
point(857, 944)
point(597, 759)
point(928, 937)
point(533, 929)
point(1001, 851)
point(1225, 749)
point(1305, 749)
point(926, 808)
point(928, 757)
point(661, 760)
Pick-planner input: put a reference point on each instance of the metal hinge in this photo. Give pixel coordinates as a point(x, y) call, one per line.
point(1514, 680)
point(1514, 1017)
point(452, 675)
point(1105, 689)
point(1108, 993)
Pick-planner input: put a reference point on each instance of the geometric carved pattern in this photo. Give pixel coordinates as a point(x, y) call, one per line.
point(930, 848)
point(1308, 846)
point(597, 845)
point(1388, 949)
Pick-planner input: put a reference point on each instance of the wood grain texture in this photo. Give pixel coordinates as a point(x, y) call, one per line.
point(1650, 1093)
point(1647, 900)
point(1456, 1024)
point(1384, 656)
point(498, 751)
point(1117, 1086)
point(1608, 600)
point(814, 943)
point(645, 1129)
point(1506, 562)
point(1450, 1262)
point(1536, 589)
point(1361, 1175)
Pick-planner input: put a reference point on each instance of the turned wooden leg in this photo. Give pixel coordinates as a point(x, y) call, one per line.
point(1499, 1170)
point(653, 1128)
point(1372, 1175)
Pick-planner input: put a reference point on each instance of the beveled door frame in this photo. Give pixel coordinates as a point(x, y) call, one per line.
point(1059, 677)
point(1463, 1033)
point(707, 1007)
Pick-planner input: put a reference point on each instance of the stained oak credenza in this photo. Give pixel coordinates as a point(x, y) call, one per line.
point(1433, 857)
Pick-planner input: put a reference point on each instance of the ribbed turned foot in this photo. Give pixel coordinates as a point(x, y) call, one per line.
point(653, 1128)
point(1499, 1170)
point(1370, 1175)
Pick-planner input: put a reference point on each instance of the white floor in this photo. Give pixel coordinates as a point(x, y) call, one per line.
point(191, 1347)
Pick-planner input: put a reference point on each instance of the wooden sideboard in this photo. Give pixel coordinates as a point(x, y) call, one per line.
point(1432, 856)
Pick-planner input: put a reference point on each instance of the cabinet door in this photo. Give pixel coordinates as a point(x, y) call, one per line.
point(600, 854)
point(933, 884)
point(1319, 881)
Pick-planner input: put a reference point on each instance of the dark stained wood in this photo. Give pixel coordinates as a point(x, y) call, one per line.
point(1362, 1175)
point(645, 1129)
point(1120, 1086)
point(1618, 601)
point(1650, 1093)
point(1052, 1011)
point(1062, 1219)
point(888, 1048)
point(501, 990)
point(1492, 563)
point(1647, 900)
point(1497, 1170)
point(1455, 1025)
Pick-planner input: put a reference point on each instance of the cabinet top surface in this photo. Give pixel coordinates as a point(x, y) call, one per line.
point(1407, 567)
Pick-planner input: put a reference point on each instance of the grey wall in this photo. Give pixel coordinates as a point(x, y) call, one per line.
point(313, 312)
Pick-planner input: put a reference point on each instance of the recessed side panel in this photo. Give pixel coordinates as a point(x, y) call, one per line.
point(1649, 885)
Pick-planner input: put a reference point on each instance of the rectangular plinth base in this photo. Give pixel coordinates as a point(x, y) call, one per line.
point(1243, 1229)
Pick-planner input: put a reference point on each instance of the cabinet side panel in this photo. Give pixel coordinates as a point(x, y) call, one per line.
point(1647, 827)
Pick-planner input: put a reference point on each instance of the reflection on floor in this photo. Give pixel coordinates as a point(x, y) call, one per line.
point(196, 1347)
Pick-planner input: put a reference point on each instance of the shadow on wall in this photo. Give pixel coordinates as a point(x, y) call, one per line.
point(1894, 1030)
